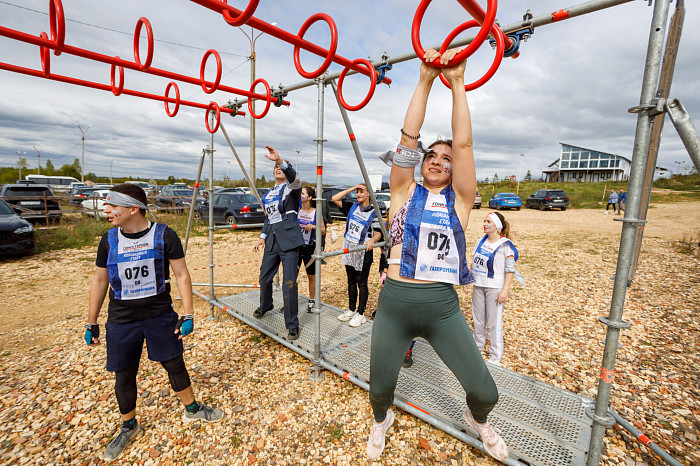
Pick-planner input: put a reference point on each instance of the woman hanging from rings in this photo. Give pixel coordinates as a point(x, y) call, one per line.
point(362, 227)
point(307, 222)
point(427, 258)
point(494, 267)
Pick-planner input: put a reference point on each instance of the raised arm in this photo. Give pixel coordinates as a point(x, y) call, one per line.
point(338, 198)
point(401, 178)
point(463, 171)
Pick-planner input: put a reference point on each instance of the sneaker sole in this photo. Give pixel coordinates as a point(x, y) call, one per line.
point(471, 423)
point(138, 431)
point(187, 420)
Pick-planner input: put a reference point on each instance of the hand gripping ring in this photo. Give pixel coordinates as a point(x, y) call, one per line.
point(216, 82)
point(469, 50)
point(500, 47)
point(372, 85)
point(45, 56)
point(268, 99)
point(241, 19)
point(57, 23)
point(137, 36)
point(112, 75)
point(213, 106)
point(166, 101)
point(331, 49)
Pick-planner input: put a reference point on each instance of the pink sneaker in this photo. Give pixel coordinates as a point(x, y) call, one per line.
point(375, 444)
point(494, 444)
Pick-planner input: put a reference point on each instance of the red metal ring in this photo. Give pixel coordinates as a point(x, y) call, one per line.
point(137, 37)
point(372, 86)
point(167, 99)
point(269, 98)
point(117, 90)
point(469, 50)
point(57, 22)
point(500, 48)
point(331, 50)
point(241, 19)
point(213, 106)
point(215, 85)
point(45, 53)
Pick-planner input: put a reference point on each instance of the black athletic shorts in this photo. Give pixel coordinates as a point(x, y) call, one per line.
point(305, 254)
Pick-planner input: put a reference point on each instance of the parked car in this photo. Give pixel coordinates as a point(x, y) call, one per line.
point(142, 184)
point(232, 209)
point(176, 199)
point(95, 204)
point(78, 194)
point(330, 191)
point(16, 234)
point(547, 199)
point(385, 198)
point(477, 201)
point(30, 198)
point(505, 201)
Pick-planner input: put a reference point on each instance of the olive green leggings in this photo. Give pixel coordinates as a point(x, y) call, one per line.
point(431, 311)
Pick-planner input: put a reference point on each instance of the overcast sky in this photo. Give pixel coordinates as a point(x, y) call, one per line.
point(573, 83)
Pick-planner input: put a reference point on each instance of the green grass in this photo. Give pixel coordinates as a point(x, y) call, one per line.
point(592, 195)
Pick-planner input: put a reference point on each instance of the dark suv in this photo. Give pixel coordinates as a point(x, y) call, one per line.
point(36, 201)
point(547, 199)
point(330, 191)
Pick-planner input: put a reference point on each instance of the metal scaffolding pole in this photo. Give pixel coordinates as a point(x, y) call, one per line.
point(317, 374)
point(600, 416)
point(194, 201)
point(211, 217)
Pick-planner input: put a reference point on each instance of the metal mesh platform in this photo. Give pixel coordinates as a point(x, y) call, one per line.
point(541, 424)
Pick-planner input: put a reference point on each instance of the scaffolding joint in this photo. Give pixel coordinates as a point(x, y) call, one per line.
point(607, 421)
point(630, 220)
point(516, 36)
point(381, 71)
point(657, 106)
point(235, 106)
point(279, 96)
point(618, 324)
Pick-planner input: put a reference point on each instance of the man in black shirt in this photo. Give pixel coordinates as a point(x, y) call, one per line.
point(134, 261)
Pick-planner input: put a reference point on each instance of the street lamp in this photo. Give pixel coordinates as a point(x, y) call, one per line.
point(228, 163)
point(252, 38)
point(110, 172)
point(520, 173)
point(297, 165)
point(38, 167)
point(19, 161)
point(82, 165)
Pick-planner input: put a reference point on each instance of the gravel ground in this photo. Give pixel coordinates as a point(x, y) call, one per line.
point(57, 404)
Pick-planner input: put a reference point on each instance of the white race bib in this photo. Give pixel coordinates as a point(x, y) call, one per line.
point(271, 203)
point(136, 266)
point(307, 218)
point(356, 223)
point(437, 258)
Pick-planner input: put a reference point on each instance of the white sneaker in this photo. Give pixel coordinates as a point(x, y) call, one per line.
point(310, 307)
point(375, 444)
point(494, 444)
point(357, 320)
point(347, 315)
point(606, 212)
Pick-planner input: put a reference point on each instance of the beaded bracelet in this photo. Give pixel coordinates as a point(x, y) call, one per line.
point(409, 136)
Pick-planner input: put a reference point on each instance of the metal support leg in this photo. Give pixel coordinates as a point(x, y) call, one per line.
point(194, 200)
point(211, 219)
point(624, 259)
point(316, 373)
point(686, 130)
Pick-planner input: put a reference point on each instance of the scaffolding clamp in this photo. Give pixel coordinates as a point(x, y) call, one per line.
point(522, 34)
point(382, 69)
point(630, 220)
point(279, 95)
point(607, 421)
point(618, 324)
point(656, 107)
point(235, 105)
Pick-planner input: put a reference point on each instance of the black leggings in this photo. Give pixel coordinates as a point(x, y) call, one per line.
point(358, 280)
point(125, 382)
point(409, 310)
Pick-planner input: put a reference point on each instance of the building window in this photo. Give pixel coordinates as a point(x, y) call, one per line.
point(584, 155)
point(594, 155)
point(573, 164)
point(583, 164)
point(603, 164)
point(574, 156)
point(565, 165)
point(593, 164)
point(565, 157)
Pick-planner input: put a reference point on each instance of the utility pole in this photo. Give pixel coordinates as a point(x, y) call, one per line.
point(38, 154)
point(252, 38)
point(297, 165)
point(19, 162)
point(82, 165)
point(520, 173)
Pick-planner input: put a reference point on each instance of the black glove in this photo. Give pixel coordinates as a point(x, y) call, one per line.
point(92, 332)
point(186, 324)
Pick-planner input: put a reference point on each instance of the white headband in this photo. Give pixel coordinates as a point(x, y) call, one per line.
point(496, 221)
point(124, 200)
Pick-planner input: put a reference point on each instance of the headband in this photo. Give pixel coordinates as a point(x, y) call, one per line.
point(497, 221)
point(124, 200)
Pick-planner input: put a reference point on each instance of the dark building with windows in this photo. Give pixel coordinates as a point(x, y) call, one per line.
point(578, 164)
